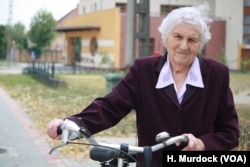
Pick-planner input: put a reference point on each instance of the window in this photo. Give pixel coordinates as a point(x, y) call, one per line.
point(165, 9)
point(246, 2)
point(95, 7)
point(83, 10)
point(122, 6)
point(246, 24)
point(93, 46)
point(247, 20)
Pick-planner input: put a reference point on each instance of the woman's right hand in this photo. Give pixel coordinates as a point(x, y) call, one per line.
point(52, 129)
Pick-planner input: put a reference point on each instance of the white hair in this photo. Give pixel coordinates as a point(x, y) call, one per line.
point(197, 15)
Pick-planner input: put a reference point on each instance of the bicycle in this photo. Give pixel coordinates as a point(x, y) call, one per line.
point(114, 155)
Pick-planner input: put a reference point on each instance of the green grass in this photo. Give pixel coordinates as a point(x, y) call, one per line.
point(239, 82)
point(2, 62)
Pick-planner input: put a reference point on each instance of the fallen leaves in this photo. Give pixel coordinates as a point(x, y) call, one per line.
point(43, 103)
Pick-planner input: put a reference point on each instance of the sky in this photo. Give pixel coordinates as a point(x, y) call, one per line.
point(24, 10)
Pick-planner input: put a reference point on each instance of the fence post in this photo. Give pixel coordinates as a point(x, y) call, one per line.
point(52, 69)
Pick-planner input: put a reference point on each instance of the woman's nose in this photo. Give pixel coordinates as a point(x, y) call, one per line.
point(184, 45)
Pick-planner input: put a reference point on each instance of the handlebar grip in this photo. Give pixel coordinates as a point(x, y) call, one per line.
point(59, 130)
point(184, 143)
point(102, 154)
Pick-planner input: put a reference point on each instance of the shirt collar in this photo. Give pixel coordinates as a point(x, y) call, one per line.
point(194, 76)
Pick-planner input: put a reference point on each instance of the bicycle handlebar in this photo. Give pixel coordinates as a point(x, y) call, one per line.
point(110, 151)
point(105, 151)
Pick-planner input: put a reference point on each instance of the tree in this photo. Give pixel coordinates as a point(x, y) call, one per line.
point(19, 36)
point(3, 41)
point(9, 34)
point(42, 31)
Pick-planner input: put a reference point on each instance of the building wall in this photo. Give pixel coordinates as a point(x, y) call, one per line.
point(58, 43)
point(123, 40)
point(155, 4)
point(232, 12)
point(155, 34)
point(72, 13)
point(88, 6)
point(108, 37)
point(215, 48)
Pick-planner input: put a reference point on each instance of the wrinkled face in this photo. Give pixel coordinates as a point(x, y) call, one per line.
point(183, 44)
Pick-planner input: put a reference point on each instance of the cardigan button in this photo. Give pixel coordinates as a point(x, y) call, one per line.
point(179, 131)
point(179, 109)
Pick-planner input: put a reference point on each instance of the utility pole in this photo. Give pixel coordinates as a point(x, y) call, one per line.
point(9, 55)
point(10, 12)
point(130, 35)
point(143, 34)
point(134, 9)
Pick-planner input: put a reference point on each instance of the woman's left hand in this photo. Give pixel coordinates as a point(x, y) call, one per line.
point(194, 144)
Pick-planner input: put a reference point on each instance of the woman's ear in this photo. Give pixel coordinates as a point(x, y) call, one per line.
point(164, 43)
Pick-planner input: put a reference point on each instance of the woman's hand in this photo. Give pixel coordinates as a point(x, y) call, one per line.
point(194, 144)
point(52, 129)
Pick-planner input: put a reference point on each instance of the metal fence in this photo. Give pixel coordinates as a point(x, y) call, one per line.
point(44, 71)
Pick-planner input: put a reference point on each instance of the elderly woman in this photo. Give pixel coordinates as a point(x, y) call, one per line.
point(180, 92)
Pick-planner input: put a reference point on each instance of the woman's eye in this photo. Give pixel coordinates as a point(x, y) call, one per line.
point(193, 40)
point(178, 36)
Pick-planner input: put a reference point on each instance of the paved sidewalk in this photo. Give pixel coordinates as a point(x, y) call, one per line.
point(21, 145)
point(19, 141)
point(242, 97)
point(14, 68)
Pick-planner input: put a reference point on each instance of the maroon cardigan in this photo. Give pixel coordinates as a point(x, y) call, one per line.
point(208, 113)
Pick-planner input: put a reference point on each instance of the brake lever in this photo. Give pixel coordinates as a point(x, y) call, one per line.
point(65, 135)
point(56, 147)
